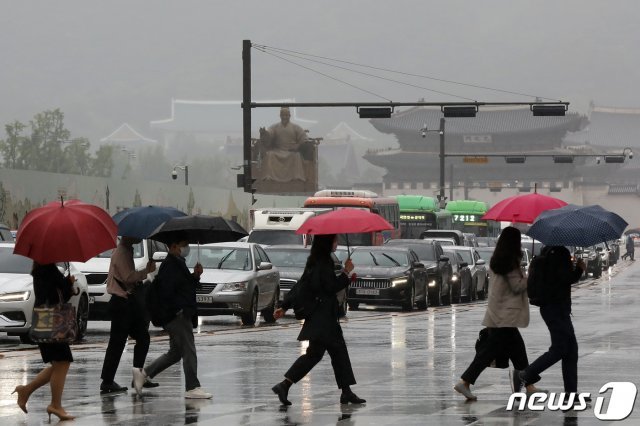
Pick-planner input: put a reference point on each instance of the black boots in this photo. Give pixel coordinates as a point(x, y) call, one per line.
point(282, 390)
point(349, 397)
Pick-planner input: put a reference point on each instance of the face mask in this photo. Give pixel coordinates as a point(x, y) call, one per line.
point(184, 251)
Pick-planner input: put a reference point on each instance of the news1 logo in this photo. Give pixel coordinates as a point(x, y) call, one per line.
point(621, 401)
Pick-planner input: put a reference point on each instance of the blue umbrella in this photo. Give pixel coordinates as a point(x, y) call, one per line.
point(581, 226)
point(140, 222)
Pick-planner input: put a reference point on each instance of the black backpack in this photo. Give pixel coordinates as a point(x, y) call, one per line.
point(301, 297)
point(159, 310)
point(538, 280)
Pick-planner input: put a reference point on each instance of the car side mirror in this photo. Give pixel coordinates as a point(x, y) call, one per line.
point(463, 264)
point(598, 248)
point(481, 262)
point(159, 256)
point(523, 263)
point(265, 266)
point(444, 258)
point(418, 265)
point(337, 266)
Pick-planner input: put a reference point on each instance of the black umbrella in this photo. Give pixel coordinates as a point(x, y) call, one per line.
point(199, 229)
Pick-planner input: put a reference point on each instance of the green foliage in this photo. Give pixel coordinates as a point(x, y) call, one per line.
point(191, 202)
point(46, 145)
point(137, 200)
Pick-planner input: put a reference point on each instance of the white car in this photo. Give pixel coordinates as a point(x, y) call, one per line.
point(17, 296)
point(238, 279)
point(97, 269)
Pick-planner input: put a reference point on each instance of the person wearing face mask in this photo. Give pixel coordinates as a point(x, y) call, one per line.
point(178, 292)
point(128, 318)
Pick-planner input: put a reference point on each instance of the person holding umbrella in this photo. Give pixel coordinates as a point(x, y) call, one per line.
point(630, 246)
point(322, 327)
point(128, 315)
point(178, 292)
point(49, 285)
point(507, 310)
point(48, 235)
point(128, 318)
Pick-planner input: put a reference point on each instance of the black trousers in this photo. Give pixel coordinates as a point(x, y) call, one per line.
point(505, 341)
point(564, 346)
point(339, 361)
point(127, 319)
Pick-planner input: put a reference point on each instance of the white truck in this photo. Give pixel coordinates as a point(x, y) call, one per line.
point(277, 226)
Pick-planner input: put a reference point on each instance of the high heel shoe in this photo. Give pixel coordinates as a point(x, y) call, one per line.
point(22, 398)
point(59, 412)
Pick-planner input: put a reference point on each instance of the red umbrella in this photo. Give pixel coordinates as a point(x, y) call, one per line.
point(65, 232)
point(344, 221)
point(522, 208)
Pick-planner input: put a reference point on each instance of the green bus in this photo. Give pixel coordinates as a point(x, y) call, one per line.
point(466, 216)
point(418, 213)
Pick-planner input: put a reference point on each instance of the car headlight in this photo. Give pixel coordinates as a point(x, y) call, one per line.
point(399, 281)
point(432, 283)
point(454, 277)
point(19, 296)
point(239, 286)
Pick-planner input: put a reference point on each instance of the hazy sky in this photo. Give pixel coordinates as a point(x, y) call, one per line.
point(104, 63)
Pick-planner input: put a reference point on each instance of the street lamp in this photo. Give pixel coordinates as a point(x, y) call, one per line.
point(174, 172)
point(442, 200)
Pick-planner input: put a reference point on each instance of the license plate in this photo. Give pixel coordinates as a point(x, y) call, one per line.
point(204, 299)
point(92, 299)
point(368, 291)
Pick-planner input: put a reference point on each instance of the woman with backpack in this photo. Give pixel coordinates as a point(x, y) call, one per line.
point(507, 310)
point(321, 326)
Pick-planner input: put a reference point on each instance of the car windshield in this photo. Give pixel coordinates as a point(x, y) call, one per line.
point(272, 236)
point(137, 251)
point(424, 251)
point(466, 256)
point(485, 252)
point(341, 254)
point(220, 258)
point(379, 258)
point(14, 263)
point(288, 258)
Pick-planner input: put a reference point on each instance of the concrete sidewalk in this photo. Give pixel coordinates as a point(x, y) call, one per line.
point(405, 364)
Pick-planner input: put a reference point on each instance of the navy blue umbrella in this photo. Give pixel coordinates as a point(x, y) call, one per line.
point(140, 222)
point(581, 226)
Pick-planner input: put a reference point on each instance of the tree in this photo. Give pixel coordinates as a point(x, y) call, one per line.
point(191, 202)
point(137, 201)
point(11, 146)
point(76, 157)
point(48, 131)
point(102, 164)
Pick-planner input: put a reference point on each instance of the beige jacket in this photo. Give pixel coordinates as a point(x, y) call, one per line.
point(123, 268)
point(508, 303)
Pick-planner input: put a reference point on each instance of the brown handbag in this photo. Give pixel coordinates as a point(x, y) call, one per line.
point(54, 324)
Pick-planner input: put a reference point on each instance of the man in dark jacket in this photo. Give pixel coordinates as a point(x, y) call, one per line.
point(178, 291)
point(555, 308)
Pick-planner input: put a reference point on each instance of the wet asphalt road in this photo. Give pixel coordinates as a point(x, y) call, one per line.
point(405, 364)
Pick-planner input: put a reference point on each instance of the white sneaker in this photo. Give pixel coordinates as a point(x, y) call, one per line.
point(197, 393)
point(139, 377)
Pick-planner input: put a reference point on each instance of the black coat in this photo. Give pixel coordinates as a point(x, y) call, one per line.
point(178, 285)
point(323, 322)
point(47, 280)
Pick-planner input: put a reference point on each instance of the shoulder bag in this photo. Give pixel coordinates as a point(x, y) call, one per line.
point(54, 324)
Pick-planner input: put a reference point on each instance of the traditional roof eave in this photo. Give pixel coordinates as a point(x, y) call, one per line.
point(125, 133)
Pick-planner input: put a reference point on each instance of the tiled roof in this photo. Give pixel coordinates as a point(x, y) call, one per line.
point(610, 127)
point(487, 121)
point(124, 134)
point(623, 189)
point(221, 117)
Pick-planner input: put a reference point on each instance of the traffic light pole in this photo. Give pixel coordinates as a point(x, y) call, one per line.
point(246, 119)
point(441, 197)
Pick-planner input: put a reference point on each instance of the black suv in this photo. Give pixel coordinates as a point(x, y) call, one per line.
point(439, 268)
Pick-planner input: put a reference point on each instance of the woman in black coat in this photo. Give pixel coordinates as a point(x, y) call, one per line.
point(48, 285)
point(322, 327)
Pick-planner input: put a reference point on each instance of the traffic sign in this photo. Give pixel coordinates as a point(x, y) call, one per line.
point(476, 160)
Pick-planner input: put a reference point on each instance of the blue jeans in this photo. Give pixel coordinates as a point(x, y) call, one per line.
point(564, 346)
point(181, 346)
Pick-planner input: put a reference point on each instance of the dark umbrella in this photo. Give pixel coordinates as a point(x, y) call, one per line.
point(140, 222)
point(581, 226)
point(200, 229)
